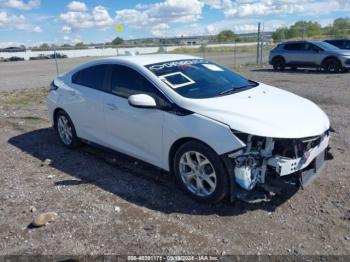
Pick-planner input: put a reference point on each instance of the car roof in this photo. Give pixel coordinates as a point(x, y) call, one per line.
point(148, 59)
point(338, 39)
point(302, 41)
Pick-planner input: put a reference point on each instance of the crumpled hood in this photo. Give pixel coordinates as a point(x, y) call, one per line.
point(265, 111)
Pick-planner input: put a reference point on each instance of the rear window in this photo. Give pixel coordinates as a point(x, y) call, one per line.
point(92, 77)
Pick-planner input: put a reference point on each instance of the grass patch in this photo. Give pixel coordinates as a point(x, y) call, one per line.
point(23, 97)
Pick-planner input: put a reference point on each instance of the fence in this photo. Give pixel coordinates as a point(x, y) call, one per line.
point(229, 54)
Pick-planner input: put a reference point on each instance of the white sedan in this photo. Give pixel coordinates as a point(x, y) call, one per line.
point(215, 130)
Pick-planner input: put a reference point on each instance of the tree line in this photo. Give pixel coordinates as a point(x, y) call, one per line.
point(339, 28)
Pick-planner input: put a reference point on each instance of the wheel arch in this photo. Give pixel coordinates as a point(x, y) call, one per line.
point(177, 144)
point(278, 57)
point(330, 57)
point(55, 112)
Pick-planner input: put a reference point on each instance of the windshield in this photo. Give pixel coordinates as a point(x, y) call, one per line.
point(199, 78)
point(327, 46)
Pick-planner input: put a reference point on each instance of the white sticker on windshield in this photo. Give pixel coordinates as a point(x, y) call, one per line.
point(176, 80)
point(212, 67)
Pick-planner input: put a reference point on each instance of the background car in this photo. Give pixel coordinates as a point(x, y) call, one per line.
point(309, 54)
point(340, 43)
point(40, 57)
point(14, 58)
point(58, 56)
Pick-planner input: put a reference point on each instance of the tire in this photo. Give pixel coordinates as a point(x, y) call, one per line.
point(195, 178)
point(66, 131)
point(279, 64)
point(331, 65)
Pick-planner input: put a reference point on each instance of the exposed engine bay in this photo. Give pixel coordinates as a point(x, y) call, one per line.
point(263, 158)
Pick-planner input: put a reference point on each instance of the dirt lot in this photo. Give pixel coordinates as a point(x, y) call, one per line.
point(112, 204)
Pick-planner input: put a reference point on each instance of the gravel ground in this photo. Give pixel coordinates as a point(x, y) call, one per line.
point(112, 204)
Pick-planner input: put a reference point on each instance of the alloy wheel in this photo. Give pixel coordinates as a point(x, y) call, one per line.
point(64, 130)
point(197, 173)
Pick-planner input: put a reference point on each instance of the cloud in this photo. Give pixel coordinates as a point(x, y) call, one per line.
point(37, 29)
point(98, 18)
point(77, 6)
point(215, 4)
point(160, 14)
point(66, 29)
point(253, 8)
point(22, 5)
point(160, 30)
point(72, 40)
point(101, 17)
point(244, 25)
point(17, 22)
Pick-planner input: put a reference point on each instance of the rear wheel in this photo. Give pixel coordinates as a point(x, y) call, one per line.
point(200, 172)
point(331, 65)
point(66, 130)
point(279, 64)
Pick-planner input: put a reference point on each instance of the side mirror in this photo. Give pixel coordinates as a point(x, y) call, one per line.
point(142, 101)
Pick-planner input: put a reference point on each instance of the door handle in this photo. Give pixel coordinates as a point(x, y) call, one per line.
point(112, 107)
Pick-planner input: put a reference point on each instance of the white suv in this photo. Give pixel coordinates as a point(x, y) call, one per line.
point(217, 131)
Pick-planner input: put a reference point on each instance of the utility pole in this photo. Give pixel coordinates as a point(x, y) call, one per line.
point(258, 44)
point(234, 55)
point(261, 43)
point(57, 71)
point(303, 31)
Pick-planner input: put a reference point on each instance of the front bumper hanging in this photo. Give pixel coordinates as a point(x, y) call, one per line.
point(289, 174)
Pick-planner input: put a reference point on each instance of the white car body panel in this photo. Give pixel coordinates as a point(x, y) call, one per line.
point(134, 131)
point(265, 111)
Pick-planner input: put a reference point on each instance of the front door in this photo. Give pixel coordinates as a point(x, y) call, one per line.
point(135, 131)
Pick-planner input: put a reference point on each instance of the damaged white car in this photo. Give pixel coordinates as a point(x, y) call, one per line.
point(218, 132)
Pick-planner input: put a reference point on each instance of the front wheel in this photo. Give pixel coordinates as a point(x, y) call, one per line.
point(331, 65)
point(200, 172)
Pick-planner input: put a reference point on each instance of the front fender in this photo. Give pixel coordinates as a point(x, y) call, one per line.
point(213, 133)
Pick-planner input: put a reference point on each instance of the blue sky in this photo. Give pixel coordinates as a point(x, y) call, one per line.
point(31, 22)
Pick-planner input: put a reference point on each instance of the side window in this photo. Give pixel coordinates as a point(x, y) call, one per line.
point(92, 77)
point(126, 82)
point(312, 47)
point(346, 44)
point(293, 46)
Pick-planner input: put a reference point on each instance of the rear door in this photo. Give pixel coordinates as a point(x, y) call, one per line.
point(135, 131)
point(84, 102)
point(292, 53)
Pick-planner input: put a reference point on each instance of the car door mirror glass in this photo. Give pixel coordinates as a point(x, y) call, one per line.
point(142, 100)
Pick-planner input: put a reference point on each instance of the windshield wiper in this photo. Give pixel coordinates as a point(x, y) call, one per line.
point(236, 89)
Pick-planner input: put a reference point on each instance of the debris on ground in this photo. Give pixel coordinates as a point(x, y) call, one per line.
point(44, 218)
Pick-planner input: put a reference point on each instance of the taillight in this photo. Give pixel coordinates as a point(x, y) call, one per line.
point(53, 86)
